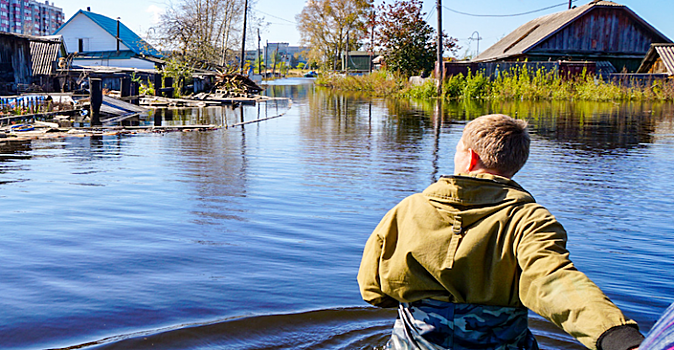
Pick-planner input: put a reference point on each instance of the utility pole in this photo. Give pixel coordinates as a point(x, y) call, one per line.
point(243, 39)
point(570, 1)
point(259, 62)
point(266, 57)
point(441, 66)
point(472, 37)
point(372, 41)
point(345, 65)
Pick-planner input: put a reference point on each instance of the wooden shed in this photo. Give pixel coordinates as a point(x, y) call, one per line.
point(659, 60)
point(27, 59)
point(597, 31)
point(15, 62)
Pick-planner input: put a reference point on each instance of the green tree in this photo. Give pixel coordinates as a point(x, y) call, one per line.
point(408, 42)
point(259, 64)
point(325, 26)
point(180, 71)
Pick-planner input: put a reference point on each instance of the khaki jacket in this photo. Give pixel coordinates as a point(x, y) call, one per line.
point(482, 239)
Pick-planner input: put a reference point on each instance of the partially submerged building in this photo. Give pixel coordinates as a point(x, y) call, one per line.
point(28, 62)
point(600, 31)
point(659, 60)
point(98, 40)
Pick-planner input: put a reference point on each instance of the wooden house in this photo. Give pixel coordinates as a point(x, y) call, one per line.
point(98, 40)
point(597, 31)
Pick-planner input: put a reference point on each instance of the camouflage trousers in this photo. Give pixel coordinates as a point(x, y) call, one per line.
point(434, 325)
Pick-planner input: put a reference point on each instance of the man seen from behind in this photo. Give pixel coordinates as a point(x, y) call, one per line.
point(467, 258)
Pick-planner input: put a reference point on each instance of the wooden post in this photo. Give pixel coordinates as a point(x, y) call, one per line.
point(157, 84)
point(157, 117)
point(168, 114)
point(134, 90)
point(168, 83)
point(125, 87)
point(96, 98)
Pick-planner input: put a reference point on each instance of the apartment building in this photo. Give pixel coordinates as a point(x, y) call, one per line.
point(291, 55)
point(30, 17)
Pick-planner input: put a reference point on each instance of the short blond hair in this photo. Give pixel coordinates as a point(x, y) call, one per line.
point(501, 142)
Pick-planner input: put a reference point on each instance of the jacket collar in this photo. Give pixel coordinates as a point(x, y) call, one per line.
point(476, 189)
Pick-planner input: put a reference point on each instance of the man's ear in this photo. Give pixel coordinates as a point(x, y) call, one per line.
point(474, 160)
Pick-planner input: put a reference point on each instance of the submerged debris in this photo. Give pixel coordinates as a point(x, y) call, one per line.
point(235, 83)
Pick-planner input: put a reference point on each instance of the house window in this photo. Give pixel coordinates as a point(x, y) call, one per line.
point(82, 44)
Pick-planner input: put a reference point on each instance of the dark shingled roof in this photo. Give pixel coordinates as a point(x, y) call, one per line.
point(536, 31)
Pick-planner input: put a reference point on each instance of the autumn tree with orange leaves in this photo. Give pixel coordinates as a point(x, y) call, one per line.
point(330, 27)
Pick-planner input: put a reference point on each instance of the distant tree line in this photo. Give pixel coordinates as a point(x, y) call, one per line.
point(397, 30)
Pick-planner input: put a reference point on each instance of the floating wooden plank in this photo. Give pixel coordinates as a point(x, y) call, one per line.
point(119, 110)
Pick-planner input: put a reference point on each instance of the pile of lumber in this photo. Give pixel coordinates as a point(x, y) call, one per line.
point(236, 84)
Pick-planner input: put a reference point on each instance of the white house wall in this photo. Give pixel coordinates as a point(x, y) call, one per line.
point(96, 38)
point(120, 63)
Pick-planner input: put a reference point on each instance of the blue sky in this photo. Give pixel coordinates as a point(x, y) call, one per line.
point(139, 15)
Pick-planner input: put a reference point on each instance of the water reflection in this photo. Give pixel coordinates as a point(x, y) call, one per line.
point(582, 125)
point(251, 237)
point(11, 150)
point(296, 89)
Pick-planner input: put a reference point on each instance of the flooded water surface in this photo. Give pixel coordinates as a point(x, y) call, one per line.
point(250, 237)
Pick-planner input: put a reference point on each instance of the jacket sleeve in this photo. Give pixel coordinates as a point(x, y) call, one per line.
point(368, 274)
point(552, 287)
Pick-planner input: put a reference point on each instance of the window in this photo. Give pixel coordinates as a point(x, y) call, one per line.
point(83, 44)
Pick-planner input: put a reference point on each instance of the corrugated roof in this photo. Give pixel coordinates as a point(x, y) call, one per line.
point(126, 35)
point(530, 34)
point(43, 54)
point(665, 52)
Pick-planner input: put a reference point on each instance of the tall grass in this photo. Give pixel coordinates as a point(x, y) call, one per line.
point(519, 83)
point(378, 83)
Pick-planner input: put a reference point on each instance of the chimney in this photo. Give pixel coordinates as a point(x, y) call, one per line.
point(88, 9)
point(117, 34)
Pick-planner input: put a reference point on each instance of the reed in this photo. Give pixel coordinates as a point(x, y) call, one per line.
point(379, 83)
point(519, 83)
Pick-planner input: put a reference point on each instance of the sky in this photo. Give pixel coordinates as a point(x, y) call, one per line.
point(141, 15)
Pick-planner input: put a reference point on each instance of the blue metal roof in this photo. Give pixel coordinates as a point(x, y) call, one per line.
point(126, 35)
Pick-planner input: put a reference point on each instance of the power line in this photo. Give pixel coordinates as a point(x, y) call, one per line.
point(509, 15)
point(430, 13)
point(281, 24)
point(283, 19)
